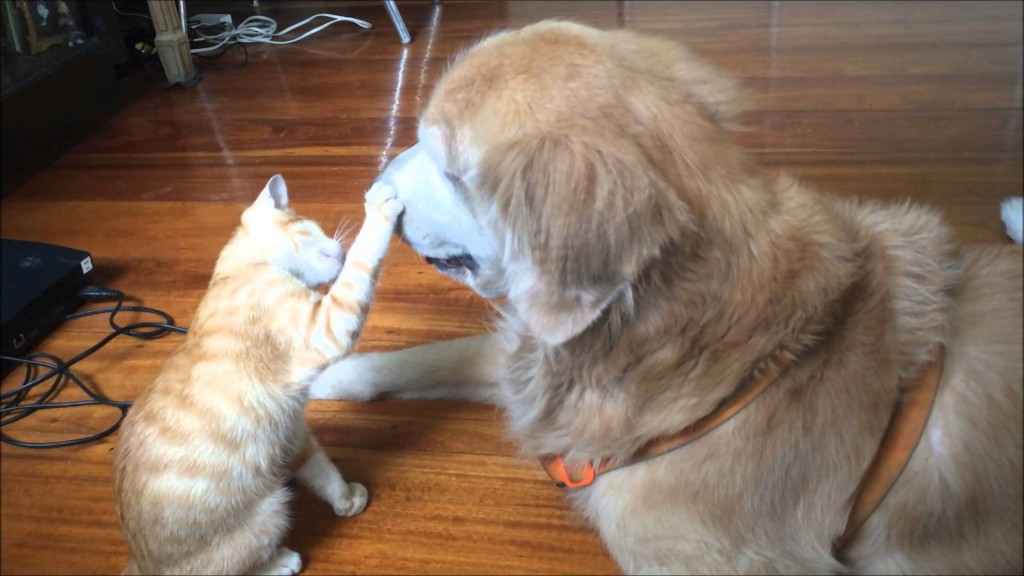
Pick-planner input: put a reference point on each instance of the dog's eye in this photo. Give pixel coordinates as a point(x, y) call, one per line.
point(453, 263)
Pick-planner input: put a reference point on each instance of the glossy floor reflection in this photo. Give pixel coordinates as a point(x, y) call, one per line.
point(882, 100)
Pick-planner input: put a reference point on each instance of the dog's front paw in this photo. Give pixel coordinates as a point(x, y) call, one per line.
point(346, 379)
point(382, 200)
point(354, 503)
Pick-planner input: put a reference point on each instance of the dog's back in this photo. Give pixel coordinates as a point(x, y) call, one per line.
point(965, 479)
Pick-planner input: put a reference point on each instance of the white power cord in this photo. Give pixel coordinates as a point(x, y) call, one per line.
point(263, 30)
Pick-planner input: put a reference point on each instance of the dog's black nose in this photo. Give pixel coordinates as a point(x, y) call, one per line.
point(399, 230)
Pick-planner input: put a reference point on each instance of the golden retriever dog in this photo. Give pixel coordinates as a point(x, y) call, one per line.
point(646, 270)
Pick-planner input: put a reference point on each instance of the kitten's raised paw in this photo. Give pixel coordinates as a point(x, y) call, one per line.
point(382, 199)
point(355, 503)
point(284, 563)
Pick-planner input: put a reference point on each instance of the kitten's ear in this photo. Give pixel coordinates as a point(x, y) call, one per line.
point(274, 195)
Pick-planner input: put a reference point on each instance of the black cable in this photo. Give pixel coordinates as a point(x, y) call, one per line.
point(12, 407)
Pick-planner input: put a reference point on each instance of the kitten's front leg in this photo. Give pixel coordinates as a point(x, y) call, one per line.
point(284, 562)
point(315, 470)
point(340, 314)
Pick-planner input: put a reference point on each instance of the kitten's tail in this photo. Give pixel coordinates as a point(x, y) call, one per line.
point(132, 569)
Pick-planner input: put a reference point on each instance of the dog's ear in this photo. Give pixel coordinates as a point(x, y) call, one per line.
point(585, 213)
point(705, 86)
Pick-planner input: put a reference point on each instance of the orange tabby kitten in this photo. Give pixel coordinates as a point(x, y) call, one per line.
point(205, 452)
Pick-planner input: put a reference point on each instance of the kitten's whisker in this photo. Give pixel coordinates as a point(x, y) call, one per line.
point(342, 232)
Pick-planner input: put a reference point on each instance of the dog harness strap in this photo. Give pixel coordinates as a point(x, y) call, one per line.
point(897, 446)
point(905, 429)
point(584, 474)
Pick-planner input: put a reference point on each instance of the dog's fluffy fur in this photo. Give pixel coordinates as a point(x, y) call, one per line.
point(645, 268)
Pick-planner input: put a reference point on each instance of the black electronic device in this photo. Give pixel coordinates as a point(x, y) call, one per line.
point(39, 286)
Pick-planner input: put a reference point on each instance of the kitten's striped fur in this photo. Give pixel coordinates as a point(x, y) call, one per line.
point(206, 451)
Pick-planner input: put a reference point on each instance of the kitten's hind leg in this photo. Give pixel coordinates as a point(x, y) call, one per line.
point(284, 562)
point(314, 469)
point(252, 542)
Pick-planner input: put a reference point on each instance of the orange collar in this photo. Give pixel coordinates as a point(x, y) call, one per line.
point(901, 437)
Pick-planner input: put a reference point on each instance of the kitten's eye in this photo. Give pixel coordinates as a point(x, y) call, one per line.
point(330, 251)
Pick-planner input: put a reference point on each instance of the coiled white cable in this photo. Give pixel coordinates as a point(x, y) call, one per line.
point(263, 30)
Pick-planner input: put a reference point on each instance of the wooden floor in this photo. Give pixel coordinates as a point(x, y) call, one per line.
point(886, 100)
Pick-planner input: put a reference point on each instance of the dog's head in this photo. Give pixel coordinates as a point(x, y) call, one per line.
point(555, 162)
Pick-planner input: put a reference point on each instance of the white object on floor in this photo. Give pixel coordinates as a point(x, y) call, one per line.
point(1013, 217)
point(263, 30)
